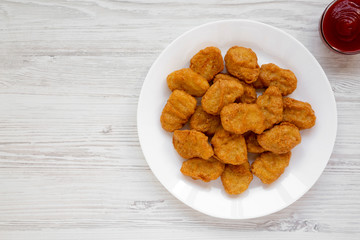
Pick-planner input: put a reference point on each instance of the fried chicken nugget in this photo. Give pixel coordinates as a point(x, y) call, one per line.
point(177, 111)
point(271, 104)
point(206, 170)
point(236, 178)
point(229, 147)
point(298, 113)
point(284, 79)
point(269, 166)
point(240, 117)
point(280, 139)
point(252, 144)
point(207, 62)
point(242, 63)
point(204, 122)
point(220, 94)
point(192, 144)
point(249, 95)
point(257, 84)
point(189, 81)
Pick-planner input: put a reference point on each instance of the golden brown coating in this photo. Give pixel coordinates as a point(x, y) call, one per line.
point(204, 122)
point(221, 93)
point(224, 76)
point(236, 178)
point(271, 104)
point(205, 170)
point(229, 147)
point(242, 63)
point(207, 62)
point(192, 144)
point(284, 79)
point(240, 117)
point(189, 81)
point(280, 139)
point(269, 166)
point(252, 144)
point(298, 113)
point(177, 111)
point(258, 84)
point(249, 95)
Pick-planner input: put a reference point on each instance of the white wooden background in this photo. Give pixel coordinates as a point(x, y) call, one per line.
point(71, 166)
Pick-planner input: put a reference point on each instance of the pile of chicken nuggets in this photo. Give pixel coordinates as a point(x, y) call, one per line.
point(232, 120)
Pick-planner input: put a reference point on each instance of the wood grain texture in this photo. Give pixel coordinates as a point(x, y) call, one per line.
point(71, 166)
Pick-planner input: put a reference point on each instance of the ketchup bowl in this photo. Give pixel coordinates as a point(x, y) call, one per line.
point(340, 26)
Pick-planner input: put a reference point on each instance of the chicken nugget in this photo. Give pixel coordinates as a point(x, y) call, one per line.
point(280, 139)
point(229, 147)
point(236, 178)
point(271, 104)
point(206, 170)
point(249, 95)
point(240, 117)
point(257, 84)
point(189, 81)
point(204, 122)
point(252, 144)
point(242, 63)
point(177, 111)
point(192, 144)
point(298, 113)
point(269, 166)
point(207, 62)
point(284, 79)
point(221, 93)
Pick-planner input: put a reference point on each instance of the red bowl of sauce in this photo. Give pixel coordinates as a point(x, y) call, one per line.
point(340, 26)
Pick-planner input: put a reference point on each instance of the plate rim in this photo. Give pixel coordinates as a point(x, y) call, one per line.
point(274, 29)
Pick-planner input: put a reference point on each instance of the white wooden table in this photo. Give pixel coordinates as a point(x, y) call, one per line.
point(71, 166)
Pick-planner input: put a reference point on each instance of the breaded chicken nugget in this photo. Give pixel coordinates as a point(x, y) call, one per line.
point(280, 139)
point(191, 144)
point(208, 62)
point(189, 81)
point(252, 144)
point(284, 79)
point(242, 63)
point(240, 117)
point(224, 76)
point(177, 111)
point(220, 94)
point(229, 147)
point(269, 166)
point(204, 122)
point(249, 95)
point(258, 84)
point(205, 170)
point(271, 104)
point(298, 113)
point(236, 178)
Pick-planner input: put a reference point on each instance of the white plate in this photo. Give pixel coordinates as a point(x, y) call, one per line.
point(308, 159)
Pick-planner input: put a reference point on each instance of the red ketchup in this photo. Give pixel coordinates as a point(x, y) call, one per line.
point(340, 26)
